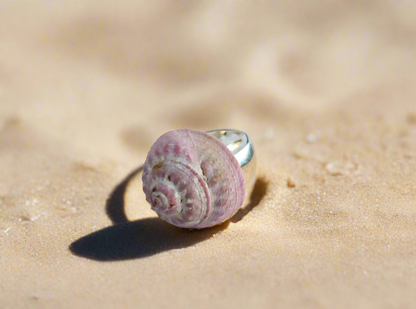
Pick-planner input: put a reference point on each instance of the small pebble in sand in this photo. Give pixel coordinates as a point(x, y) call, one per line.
point(28, 218)
point(24, 218)
point(311, 138)
point(5, 231)
point(291, 182)
point(336, 168)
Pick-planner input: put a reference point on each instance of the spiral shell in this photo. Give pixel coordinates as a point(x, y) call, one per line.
point(192, 180)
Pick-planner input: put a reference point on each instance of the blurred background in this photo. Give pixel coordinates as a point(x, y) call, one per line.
point(118, 74)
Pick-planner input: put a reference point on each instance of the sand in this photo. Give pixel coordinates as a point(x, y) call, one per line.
point(326, 92)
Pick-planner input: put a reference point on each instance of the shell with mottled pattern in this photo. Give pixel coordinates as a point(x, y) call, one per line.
point(192, 180)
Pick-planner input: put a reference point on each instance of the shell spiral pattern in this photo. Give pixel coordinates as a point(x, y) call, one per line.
point(192, 180)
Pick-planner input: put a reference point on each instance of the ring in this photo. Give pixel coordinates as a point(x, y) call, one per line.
point(196, 179)
point(242, 148)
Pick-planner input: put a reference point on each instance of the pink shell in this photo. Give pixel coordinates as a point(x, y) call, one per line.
point(192, 180)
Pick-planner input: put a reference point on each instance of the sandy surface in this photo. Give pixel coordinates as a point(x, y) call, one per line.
point(327, 93)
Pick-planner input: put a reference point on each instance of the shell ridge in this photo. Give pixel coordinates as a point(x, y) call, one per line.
point(197, 180)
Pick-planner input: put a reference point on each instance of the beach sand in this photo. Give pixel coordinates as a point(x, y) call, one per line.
point(326, 92)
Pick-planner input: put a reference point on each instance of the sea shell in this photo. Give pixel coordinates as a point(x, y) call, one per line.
point(192, 180)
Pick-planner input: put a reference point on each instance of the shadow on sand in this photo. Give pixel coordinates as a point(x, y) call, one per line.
point(146, 237)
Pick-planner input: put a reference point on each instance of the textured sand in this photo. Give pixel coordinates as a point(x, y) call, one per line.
point(327, 93)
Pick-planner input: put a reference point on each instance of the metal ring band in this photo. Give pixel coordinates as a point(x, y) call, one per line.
point(241, 146)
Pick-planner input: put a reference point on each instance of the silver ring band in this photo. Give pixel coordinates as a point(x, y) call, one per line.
point(241, 146)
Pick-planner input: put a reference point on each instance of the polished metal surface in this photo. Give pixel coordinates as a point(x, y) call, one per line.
point(241, 146)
